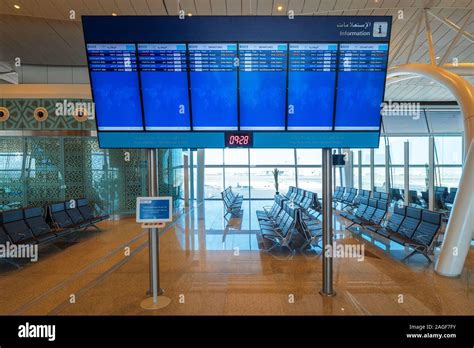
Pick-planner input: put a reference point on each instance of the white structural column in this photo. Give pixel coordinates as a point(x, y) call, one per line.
point(359, 168)
point(191, 175)
point(200, 176)
point(186, 179)
point(406, 172)
point(372, 170)
point(388, 180)
point(460, 229)
point(348, 169)
point(431, 178)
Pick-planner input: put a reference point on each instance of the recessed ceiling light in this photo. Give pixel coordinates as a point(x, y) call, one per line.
point(114, 14)
point(280, 8)
point(16, 6)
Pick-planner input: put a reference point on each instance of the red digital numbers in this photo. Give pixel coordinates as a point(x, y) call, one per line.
point(238, 140)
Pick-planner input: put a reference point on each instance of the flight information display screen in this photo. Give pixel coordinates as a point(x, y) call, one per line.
point(213, 73)
point(115, 86)
point(164, 81)
point(360, 86)
point(311, 86)
point(216, 81)
point(262, 86)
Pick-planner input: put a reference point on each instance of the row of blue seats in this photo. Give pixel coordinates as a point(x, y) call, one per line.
point(278, 222)
point(411, 227)
point(232, 202)
point(38, 225)
point(350, 197)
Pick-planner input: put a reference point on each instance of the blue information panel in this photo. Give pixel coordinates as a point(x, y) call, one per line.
point(115, 86)
point(154, 209)
point(263, 86)
point(311, 86)
point(360, 86)
point(164, 79)
point(213, 71)
point(305, 82)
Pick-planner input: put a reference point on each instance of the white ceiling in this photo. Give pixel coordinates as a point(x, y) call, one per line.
point(42, 33)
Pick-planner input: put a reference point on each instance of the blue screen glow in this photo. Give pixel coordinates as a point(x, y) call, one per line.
point(262, 91)
point(213, 71)
point(360, 86)
point(311, 86)
point(115, 86)
point(164, 79)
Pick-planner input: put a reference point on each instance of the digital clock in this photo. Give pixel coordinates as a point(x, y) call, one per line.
point(238, 139)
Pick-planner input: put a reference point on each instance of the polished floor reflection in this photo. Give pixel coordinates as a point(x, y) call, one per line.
point(212, 266)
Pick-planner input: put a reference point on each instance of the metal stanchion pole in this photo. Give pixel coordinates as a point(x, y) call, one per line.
point(157, 300)
point(152, 192)
point(327, 289)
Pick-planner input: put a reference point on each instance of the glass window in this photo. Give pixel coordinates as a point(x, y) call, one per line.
point(309, 156)
point(448, 150)
point(397, 150)
point(449, 176)
point(414, 122)
point(213, 182)
point(356, 177)
point(419, 150)
point(272, 157)
point(379, 178)
point(419, 178)
point(338, 177)
point(238, 178)
point(262, 184)
point(355, 156)
point(310, 179)
point(398, 177)
point(445, 121)
point(366, 178)
point(365, 156)
point(379, 154)
point(236, 156)
point(213, 157)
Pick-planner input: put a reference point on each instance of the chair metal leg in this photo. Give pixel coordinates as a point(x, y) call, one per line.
point(352, 224)
point(427, 257)
point(96, 227)
point(418, 252)
point(409, 255)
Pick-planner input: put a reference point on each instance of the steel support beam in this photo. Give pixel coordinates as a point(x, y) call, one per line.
point(429, 38)
point(327, 289)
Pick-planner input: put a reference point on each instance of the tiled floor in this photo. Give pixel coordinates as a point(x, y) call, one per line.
point(211, 267)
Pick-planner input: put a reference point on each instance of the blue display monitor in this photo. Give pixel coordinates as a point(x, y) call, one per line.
point(360, 86)
point(213, 73)
point(311, 86)
point(164, 81)
point(205, 81)
point(115, 86)
point(262, 86)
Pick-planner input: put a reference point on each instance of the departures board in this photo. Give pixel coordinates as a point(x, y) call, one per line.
point(243, 81)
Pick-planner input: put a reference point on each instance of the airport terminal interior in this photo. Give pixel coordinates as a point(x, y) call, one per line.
point(246, 236)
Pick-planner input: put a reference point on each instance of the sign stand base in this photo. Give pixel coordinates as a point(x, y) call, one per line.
point(161, 302)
